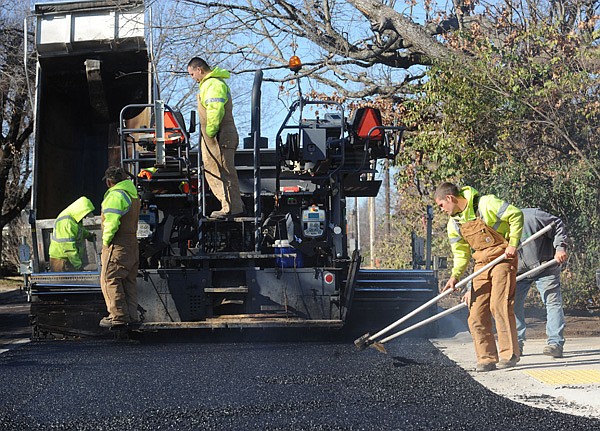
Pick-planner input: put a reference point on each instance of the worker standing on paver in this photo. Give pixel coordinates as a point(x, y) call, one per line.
point(219, 136)
point(67, 248)
point(552, 245)
point(489, 226)
point(120, 249)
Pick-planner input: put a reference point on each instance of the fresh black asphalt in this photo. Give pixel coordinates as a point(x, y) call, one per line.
point(220, 384)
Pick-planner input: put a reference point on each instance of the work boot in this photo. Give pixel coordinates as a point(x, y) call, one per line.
point(507, 364)
point(521, 344)
point(482, 368)
point(553, 350)
point(106, 322)
point(221, 215)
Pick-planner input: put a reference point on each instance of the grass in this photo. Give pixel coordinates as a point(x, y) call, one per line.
point(11, 282)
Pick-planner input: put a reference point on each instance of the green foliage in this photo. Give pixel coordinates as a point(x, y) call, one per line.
point(520, 121)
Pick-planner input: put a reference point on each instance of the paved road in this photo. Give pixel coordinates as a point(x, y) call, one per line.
point(233, 385)
point(228, 384)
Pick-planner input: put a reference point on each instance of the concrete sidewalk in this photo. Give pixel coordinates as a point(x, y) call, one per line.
point(570, 384)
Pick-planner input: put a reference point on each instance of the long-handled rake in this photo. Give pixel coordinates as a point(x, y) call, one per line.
point(367, 340)
point(459, 306)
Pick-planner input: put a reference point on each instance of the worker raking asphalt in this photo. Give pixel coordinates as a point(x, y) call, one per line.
point(215, 384)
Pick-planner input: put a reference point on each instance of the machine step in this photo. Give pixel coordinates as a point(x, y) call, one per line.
point(226, 290)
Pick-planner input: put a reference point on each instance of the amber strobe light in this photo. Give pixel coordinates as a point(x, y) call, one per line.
point(295, 64)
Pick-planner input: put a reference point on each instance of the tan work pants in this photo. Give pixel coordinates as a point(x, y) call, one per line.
point(118, 282)
point(219, 167)
point(493, 294)
point(61, 265)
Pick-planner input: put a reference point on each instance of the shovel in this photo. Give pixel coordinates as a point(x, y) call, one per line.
point(367, 340)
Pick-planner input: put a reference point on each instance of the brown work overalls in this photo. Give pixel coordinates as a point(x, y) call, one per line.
point(218, 156)
point(120, 262)
point(493, 294)
point(61, 265)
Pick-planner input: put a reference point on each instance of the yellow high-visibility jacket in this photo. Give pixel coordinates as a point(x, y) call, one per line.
point(504, 218)
point(117, 202)
point(213, 95)
point(68, 234)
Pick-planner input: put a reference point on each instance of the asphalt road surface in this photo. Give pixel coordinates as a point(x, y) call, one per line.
point(216, 384)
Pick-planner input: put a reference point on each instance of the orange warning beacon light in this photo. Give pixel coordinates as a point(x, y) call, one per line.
point(295, 64)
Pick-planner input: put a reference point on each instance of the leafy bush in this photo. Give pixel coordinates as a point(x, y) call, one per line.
point(519, 121)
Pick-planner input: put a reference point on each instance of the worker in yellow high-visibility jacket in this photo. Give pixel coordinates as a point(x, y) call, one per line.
point(219, 136)
point(485, 227)
point(67, 247)
point(120, 250)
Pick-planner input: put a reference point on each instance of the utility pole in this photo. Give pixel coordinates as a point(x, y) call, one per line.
point(386, 187)
point(372, 219)
point(372, 230)
point(357, 221)
point(428, 261)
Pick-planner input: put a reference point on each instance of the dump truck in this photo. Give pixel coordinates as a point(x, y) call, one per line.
point(286, 263)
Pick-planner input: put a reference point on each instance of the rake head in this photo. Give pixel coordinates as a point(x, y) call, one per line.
point(363, 341)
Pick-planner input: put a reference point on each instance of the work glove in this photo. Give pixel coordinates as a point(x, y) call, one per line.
point(92, 237)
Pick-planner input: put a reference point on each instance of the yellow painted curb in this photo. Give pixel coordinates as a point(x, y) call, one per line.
point(566, 377)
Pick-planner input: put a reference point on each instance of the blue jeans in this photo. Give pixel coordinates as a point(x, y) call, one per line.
point(549, 287)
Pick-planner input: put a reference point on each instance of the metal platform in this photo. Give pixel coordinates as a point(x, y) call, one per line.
point(243, 322)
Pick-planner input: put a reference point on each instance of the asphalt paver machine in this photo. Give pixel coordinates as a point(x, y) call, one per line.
point(285, 263)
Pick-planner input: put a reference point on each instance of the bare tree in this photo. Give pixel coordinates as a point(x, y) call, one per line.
point(15, 117)
point(359, 48)
point(356, 47)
